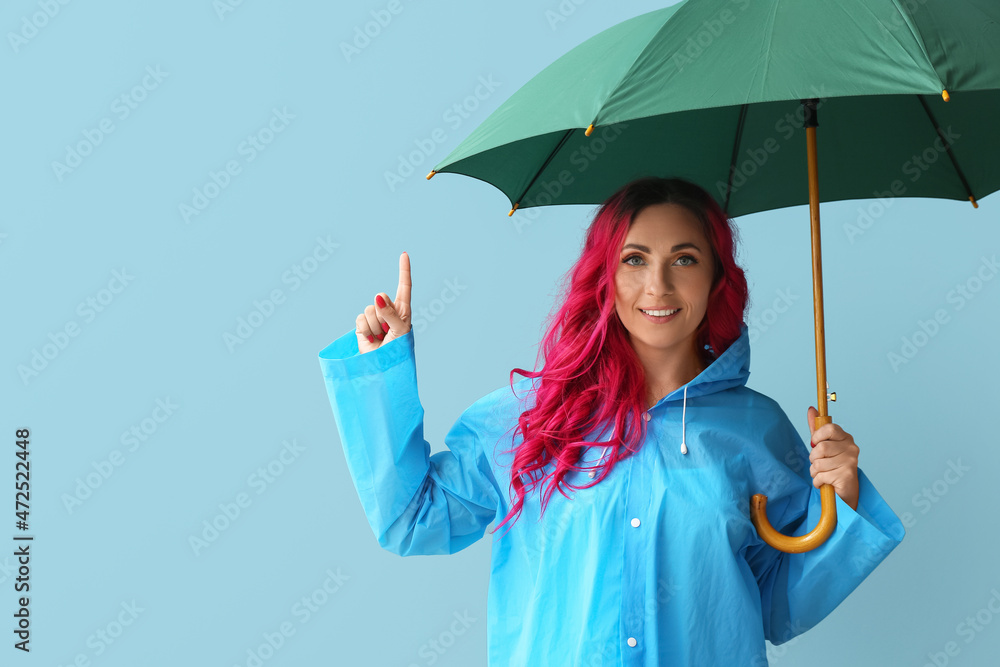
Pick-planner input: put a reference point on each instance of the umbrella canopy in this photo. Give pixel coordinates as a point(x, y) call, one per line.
point(709, 90)
point(719, 91)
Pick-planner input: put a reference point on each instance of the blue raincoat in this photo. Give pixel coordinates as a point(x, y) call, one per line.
point(658, 563)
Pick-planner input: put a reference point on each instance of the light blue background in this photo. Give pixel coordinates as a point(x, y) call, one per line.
point(162, 336)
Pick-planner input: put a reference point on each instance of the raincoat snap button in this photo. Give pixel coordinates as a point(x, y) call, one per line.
point(645, 415)
point(635, 523)
point(631, 641)
point(590, 474)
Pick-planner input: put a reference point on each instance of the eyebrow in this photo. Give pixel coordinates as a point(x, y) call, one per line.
point(679, 246)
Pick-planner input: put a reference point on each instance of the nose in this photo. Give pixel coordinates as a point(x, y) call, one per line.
point(660, 282)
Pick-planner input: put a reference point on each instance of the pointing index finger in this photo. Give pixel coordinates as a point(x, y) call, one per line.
point(403, 290)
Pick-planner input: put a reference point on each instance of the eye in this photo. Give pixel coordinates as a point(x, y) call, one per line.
point(626, 260)
point(691, 263)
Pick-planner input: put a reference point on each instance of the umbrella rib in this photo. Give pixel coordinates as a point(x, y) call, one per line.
point(732, 160)
point(542, 168)
point(947, 149)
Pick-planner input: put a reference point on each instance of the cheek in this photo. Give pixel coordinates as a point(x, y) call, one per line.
point(620, 288)
point(699, 285)
point(626, 284)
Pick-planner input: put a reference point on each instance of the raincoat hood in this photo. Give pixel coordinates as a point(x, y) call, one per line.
point(730, 369)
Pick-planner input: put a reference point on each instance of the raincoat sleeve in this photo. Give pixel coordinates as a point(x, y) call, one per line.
point(797, 591)
point(416, 504)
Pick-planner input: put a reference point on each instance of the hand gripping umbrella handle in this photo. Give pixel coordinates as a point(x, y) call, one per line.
point(812, 539)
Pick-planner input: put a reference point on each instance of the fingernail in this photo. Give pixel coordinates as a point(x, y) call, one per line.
point(380, 301)
point(381, 336)
point(371, 338)
point(385, 327)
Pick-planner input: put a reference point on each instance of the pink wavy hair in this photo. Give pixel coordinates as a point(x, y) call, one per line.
point(592, 375)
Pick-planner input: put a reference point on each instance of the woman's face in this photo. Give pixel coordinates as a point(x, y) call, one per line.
point(665, 263)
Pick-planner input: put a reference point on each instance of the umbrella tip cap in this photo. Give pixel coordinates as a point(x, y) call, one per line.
point(945, 95)
point(431, 175)
point(513, 209)
point(973, 200)
point(590, 129)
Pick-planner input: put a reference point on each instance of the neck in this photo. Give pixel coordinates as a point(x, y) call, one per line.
point(667, 371)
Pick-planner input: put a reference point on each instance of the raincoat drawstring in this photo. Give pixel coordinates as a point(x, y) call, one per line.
point(684, 447)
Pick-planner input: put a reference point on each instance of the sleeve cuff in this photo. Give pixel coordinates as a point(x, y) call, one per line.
point(821, 579)
point(873, 521)
point(341, 359)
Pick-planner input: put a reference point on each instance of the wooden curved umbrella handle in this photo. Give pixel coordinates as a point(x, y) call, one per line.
point(795, 545)
point(812, 539)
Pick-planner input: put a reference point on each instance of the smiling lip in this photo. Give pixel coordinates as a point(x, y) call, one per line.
point(659, 320)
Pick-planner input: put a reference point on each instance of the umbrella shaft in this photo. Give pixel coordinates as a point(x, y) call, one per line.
point(817, 266)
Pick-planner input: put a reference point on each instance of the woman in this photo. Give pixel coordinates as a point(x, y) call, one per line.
point(641, 410)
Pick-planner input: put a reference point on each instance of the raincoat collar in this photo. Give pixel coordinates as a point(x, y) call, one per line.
point(731, 369)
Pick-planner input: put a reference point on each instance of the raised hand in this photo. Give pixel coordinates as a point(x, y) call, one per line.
point(386, 320)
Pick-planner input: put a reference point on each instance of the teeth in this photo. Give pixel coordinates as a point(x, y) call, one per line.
point(660, 313)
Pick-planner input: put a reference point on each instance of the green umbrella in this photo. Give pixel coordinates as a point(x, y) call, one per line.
point(718, 92)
